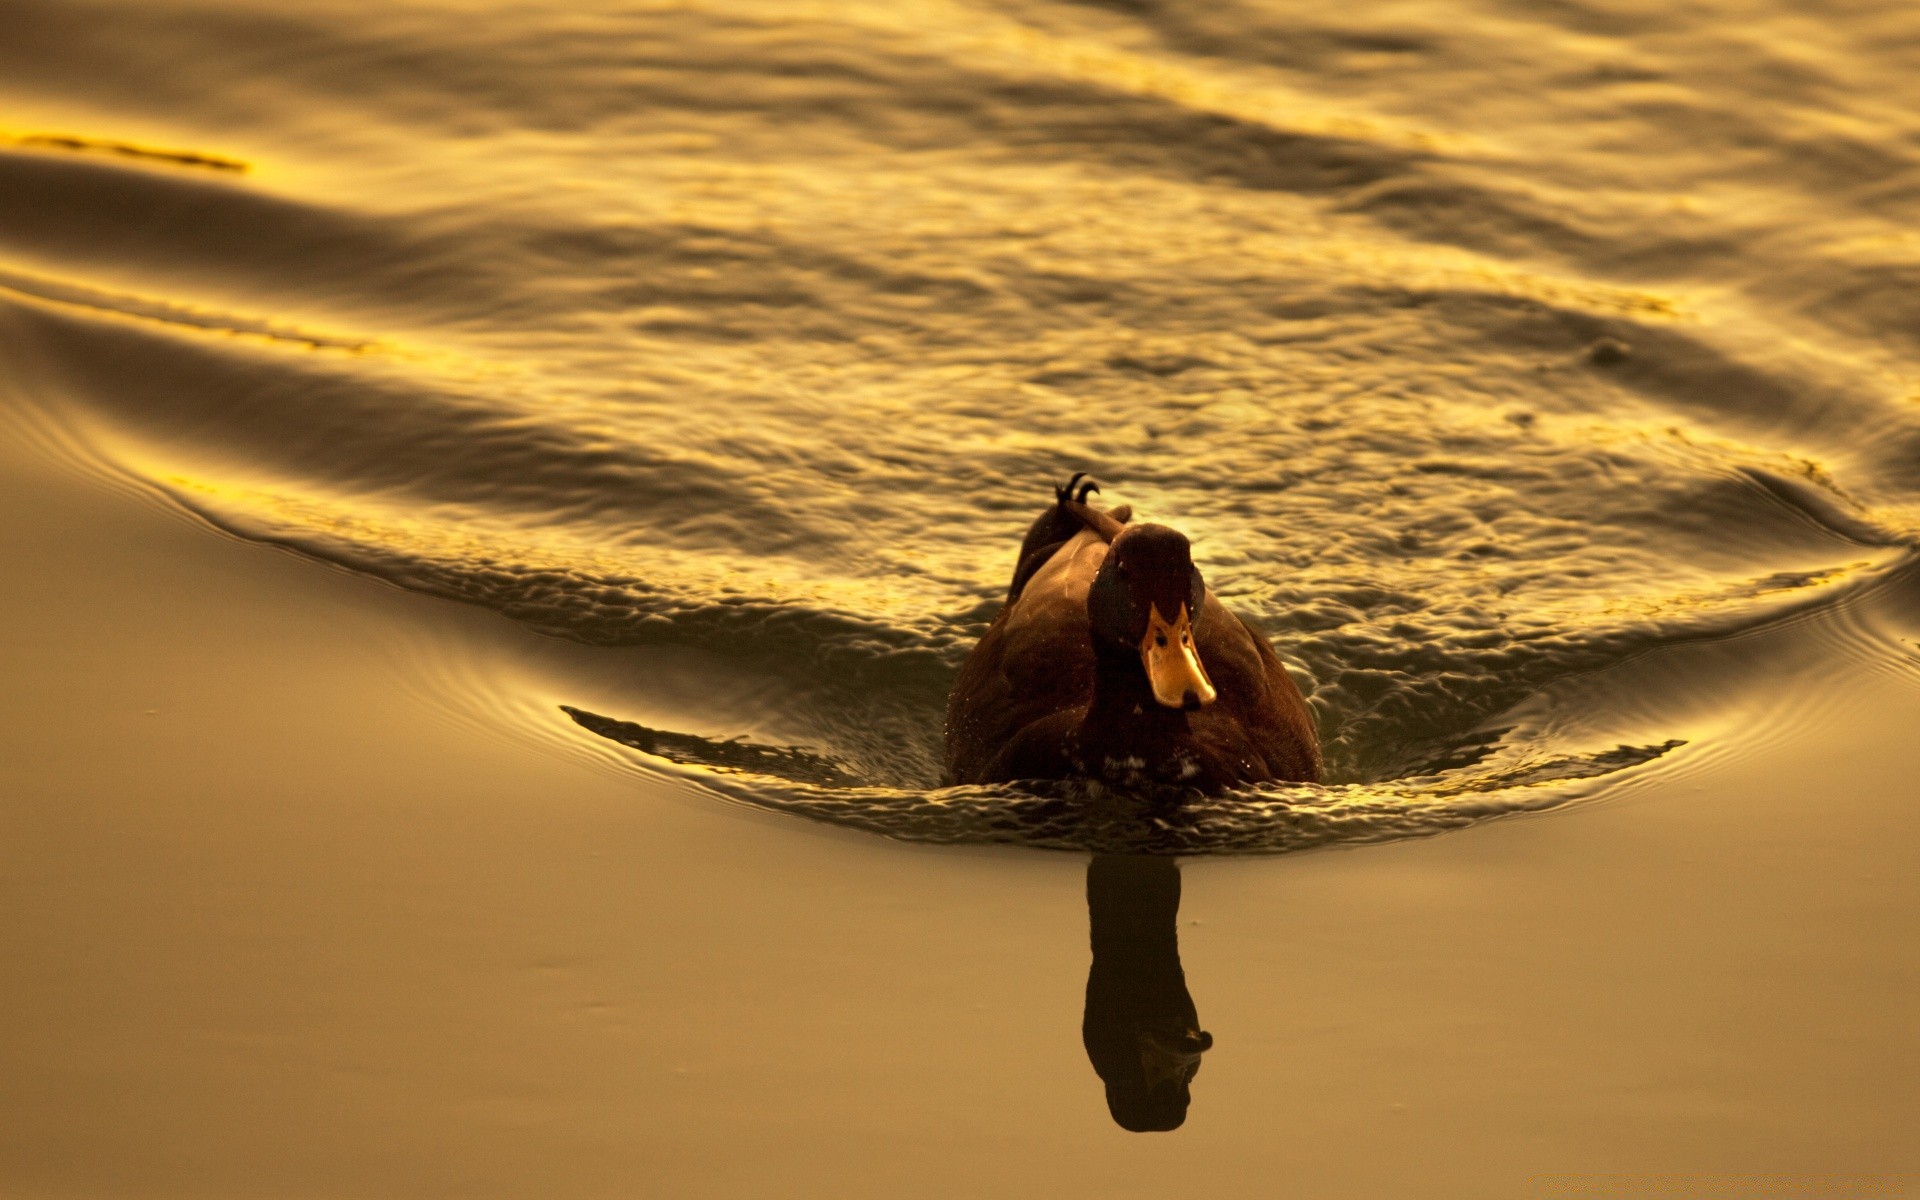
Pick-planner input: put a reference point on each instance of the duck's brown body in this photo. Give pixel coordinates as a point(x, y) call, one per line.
point(1056, 690)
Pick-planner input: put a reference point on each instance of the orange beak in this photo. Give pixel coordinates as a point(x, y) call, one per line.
point(1172, 662)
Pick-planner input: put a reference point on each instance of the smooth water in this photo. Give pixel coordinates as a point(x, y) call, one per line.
point(1485, 350)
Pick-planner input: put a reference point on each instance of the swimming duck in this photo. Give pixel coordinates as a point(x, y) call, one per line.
point(1112, 661)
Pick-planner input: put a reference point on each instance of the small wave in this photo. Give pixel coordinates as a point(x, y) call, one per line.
point(92, 145)
point(168, 312)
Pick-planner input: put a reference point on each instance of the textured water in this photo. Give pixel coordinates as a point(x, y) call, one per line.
point(1479, 346)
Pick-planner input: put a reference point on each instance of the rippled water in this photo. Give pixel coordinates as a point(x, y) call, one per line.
point(1480, 347)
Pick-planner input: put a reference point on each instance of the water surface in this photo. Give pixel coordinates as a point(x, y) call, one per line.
point(1480, 347)
point(1541, 377)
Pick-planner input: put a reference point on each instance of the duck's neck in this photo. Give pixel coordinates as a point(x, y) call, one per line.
point(1124, 721)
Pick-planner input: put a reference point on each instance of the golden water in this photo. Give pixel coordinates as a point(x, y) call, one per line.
point(1475, 345)
point(1543, 378)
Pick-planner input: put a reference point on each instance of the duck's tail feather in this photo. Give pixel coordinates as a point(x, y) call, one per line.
point(1106, 523)
point(1053, 527)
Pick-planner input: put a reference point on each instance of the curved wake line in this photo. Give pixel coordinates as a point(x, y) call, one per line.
point(1078, 816)
point(34, 288)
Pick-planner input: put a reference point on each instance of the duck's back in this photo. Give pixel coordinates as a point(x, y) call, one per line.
point(1033, 668)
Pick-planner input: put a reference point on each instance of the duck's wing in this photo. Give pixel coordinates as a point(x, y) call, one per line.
point(1259, 720)
point(1035, 662)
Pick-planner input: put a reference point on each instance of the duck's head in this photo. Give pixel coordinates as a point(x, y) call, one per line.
point(1155, 1098)
point(1145, 601)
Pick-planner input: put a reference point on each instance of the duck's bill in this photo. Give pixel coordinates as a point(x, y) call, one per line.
point(1176, 1059)
point(1173, 663)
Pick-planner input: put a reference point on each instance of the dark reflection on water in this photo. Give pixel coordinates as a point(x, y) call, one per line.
point(1141, 1030)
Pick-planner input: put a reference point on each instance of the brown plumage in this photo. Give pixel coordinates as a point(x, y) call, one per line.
point(1112, 661)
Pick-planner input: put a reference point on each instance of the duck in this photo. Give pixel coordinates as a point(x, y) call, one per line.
point(1111, 661)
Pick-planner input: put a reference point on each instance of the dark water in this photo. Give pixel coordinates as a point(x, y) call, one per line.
point(1485, 350)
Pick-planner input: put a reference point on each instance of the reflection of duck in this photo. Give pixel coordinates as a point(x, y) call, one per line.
point(1141, 1030)
point(1112, 660)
